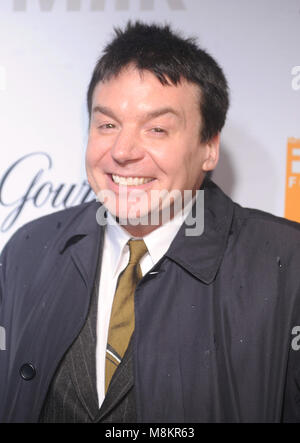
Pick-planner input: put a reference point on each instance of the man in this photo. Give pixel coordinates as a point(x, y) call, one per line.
point(127, 321)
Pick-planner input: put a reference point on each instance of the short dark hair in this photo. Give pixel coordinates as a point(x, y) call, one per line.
point(170, 57)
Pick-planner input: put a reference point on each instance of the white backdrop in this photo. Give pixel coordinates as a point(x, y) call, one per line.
point(48, 49)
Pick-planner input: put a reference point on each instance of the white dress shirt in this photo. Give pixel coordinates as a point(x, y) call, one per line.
point(114, 260)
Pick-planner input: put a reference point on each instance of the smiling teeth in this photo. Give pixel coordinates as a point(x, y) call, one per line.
point(130, 181)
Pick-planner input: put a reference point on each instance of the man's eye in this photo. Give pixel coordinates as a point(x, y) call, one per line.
point(158, 130)
point(107, 126)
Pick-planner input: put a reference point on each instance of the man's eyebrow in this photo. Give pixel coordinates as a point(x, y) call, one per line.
point(162, 111)
point(148, 116)
point(105, 111)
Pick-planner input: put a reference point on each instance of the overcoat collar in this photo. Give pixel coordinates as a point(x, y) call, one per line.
point(202, 255)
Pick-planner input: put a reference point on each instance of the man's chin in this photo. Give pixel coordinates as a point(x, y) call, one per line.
point(144, 212)
point(129, 219)
point(151, 217)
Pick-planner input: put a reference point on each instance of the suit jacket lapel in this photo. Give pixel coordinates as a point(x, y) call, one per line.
point(121, 383)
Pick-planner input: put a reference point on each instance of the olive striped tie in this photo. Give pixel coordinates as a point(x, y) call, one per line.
point(121, 324)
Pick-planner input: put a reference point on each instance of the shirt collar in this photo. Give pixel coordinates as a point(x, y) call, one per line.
point(157, 242)
point(116, 238)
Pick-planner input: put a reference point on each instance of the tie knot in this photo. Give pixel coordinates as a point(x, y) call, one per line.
point(137, 249)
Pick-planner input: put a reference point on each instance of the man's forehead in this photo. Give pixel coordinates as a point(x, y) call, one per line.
point(144, 87)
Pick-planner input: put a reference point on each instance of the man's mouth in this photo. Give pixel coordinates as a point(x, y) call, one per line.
point(130, 181)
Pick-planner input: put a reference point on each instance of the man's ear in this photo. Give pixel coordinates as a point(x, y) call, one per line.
point(212, 149)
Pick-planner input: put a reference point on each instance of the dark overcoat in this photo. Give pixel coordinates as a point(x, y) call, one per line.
point(216, 318)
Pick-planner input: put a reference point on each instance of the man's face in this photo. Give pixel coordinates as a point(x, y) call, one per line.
point(142, 129)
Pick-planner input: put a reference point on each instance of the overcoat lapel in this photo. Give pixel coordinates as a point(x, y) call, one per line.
point(86, 247)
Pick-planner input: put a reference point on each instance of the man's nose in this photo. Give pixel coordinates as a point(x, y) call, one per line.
point(126, 147)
